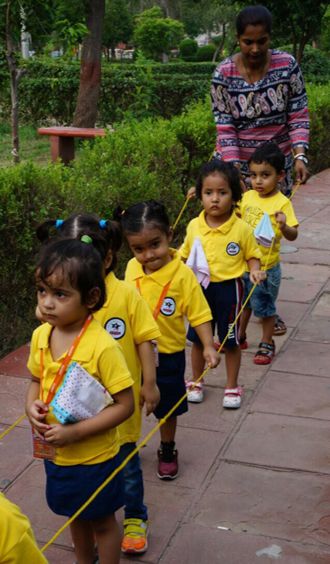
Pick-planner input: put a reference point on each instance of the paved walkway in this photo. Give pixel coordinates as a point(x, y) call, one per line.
point(254, 484)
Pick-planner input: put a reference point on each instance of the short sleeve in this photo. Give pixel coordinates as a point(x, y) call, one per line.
point(112, 369)
point(33, 362)
point(143, 325)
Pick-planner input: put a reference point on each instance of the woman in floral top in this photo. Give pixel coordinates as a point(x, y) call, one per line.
point(258, 94)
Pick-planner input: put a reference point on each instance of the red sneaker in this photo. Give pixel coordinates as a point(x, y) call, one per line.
point(168, 467)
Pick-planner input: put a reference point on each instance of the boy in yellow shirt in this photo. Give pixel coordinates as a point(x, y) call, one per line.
point(266, 172)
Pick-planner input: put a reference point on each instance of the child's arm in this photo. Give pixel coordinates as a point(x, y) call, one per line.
point(290, 233)
point(110, 417)
point(204, 332)
point(256, 275)
point(149, 394)
point(35, 409)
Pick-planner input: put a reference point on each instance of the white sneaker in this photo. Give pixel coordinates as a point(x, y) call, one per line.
point(232, 398)
point(195, 392)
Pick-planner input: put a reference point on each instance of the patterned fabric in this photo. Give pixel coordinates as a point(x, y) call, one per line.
point(273, 108)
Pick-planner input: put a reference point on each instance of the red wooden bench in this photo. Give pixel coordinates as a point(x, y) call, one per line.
point(62, 140)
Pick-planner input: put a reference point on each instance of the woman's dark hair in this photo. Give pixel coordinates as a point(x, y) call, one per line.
point(105, 234)
point(253, 15)
point(228, 170)
point(269, 153)
point(79, 262)
point(144, 214)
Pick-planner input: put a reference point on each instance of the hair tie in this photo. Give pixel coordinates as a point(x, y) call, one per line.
point(59, 223)
point(103, 223)
point(86, 239)
point(123, 212)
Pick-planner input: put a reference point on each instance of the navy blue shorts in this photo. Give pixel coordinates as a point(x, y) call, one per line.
point(68, 487)
point(225, 301)
point(171, 383)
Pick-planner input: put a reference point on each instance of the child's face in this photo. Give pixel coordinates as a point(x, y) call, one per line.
point(59, 303)
point(265, 179)
point(217, 198)
point(151, 248)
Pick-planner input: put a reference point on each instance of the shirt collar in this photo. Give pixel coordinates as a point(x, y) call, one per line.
point(164, 274)
point(85, 348)
point(224, 228)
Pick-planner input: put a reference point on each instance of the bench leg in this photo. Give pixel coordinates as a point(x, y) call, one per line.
point(62, 148)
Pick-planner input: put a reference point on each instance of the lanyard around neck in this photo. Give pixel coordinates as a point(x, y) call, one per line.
point(64, 364)
point(161, 297)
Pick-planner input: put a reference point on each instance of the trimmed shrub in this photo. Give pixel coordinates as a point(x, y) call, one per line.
point(206, 52)
point(188, 49)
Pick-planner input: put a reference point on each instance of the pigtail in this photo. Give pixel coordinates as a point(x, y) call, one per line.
point(44, 230)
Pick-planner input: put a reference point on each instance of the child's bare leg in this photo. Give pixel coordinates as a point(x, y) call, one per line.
point(197, 361)
point(268, 324)
point(83, 541)
point(167, 431)
point(108, 539)
point(244, 321)
point(233, 363)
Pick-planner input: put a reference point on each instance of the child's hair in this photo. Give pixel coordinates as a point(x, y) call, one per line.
point(228, 170)
point(150, 214)
point(105, 234)
point(269, 153)
point(79, 262)
point(253, 15)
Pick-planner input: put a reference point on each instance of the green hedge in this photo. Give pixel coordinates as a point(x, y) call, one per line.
point(49, 89)
point(152, 158)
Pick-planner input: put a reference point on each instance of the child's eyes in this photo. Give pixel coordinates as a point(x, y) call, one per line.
point(59, 294)
point(40, 290)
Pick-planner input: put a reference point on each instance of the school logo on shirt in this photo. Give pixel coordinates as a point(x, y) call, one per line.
point(168, 307)
point(116, 327)
point(232, 249)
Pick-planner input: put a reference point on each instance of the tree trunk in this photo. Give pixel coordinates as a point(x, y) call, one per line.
point(15, 76)
point(221, 44)
point(90, 67)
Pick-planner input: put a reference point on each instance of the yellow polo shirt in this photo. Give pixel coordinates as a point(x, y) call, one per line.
point(184, 299)
point(102, 357)
point(17, 542)
point(253, 207)
point(126, 316)
point(227, 247)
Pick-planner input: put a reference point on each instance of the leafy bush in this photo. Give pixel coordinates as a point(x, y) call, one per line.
point(188, 49)
point(206, 52)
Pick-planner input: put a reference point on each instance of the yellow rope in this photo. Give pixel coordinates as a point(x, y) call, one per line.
point(180, 213)
point(4, 433)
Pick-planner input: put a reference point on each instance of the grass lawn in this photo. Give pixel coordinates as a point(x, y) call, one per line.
point(32, 146)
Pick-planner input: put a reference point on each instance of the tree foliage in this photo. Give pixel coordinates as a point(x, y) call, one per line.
point(118, 23)
point(297, 22)
point(156, 35)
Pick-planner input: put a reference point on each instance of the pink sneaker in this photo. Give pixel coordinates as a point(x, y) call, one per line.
point(168, 467)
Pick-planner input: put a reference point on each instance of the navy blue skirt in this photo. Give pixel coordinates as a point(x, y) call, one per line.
point(68, 487)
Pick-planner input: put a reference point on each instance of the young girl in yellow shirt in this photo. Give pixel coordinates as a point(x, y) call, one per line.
point(78, 455)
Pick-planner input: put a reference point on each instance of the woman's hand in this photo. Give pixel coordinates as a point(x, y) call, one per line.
point(302, 172)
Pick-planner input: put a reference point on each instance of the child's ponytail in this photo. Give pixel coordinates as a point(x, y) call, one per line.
point(48, 229)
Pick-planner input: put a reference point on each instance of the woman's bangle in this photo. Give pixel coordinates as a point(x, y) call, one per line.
point(301, 157)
